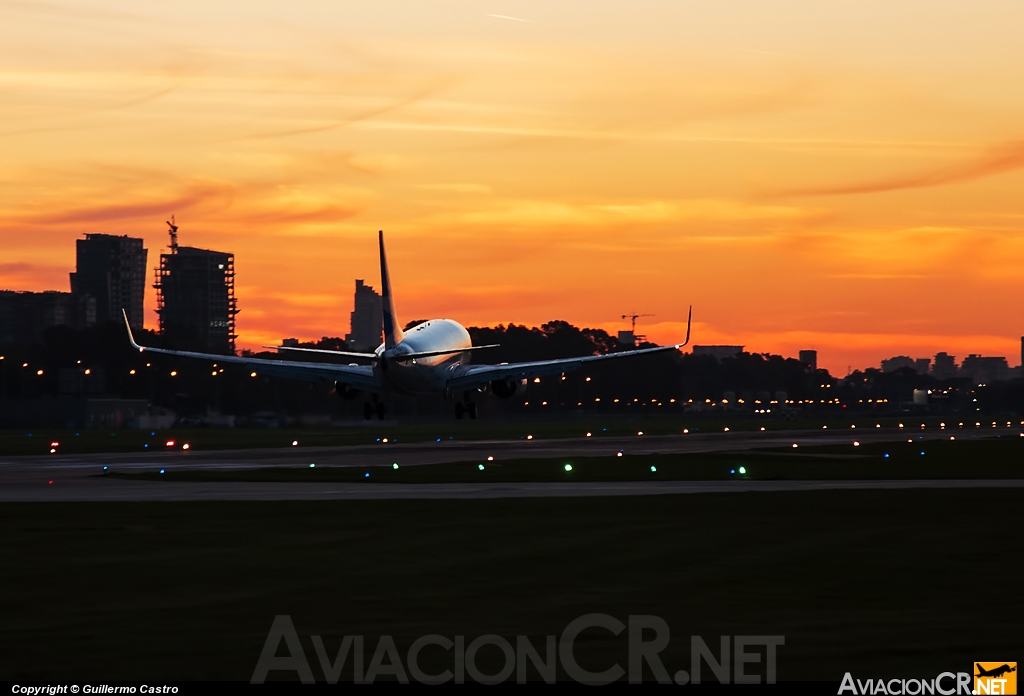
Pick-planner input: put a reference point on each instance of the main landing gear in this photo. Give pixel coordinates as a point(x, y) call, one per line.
point(369, 409)
point(467, 409)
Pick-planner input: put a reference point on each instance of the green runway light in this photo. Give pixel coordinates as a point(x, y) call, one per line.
point(743, 469)
point(568, 467)
point(654, 468)
point(312, 465)
point(480, 467)
point(395, 465)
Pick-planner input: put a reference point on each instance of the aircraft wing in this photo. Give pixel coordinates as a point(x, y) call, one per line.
point(473, 376)
point(359, 376)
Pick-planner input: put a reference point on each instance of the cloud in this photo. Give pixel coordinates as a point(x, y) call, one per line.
point(1005, 157)
point(193, 195)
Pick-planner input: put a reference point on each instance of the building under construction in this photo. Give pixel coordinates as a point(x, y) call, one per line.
point(196, 298)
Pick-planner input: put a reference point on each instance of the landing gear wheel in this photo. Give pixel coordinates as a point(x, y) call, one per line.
point(380, 410)
point(459, 410)
point(367, 410)
point(471, 409)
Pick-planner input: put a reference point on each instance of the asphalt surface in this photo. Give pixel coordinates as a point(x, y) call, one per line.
point(77, 477)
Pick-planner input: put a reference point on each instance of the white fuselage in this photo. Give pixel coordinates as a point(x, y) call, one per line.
point(426, 374)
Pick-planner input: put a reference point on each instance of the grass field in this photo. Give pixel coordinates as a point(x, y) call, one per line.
point(29, 442)
point(1001, 458)
point(879, 583)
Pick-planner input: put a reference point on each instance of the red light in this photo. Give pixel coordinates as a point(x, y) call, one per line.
point(54, 444)
point(170, 443)
point(50, 483)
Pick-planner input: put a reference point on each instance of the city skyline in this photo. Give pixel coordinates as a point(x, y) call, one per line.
point(800, 190)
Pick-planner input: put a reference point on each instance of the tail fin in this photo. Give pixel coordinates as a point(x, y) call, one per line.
point(393, 334)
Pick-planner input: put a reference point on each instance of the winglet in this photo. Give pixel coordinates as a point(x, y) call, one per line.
point(689, 317)
point(393, 334)
point(131, 339)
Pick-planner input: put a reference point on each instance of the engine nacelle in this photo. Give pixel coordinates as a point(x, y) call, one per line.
point(507, 388)
point(346, 391)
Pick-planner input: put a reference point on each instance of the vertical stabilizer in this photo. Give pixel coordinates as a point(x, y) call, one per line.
point(393, 334)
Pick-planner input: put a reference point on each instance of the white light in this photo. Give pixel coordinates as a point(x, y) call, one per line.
point(490, 459)
point(295, 443)
point(588, 434)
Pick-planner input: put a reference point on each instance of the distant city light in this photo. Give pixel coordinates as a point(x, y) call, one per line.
point(88, 371)
point(131, 372)
point(252, 374)
point(39, 372)
point(174, 373)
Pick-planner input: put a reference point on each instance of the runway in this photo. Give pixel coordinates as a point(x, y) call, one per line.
point(78, 477)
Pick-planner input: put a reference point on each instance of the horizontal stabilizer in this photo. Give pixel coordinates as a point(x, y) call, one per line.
point(324, 351)
point(432, 353)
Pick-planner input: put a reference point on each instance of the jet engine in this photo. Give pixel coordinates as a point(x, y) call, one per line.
point(346, 391)
point(507, 388)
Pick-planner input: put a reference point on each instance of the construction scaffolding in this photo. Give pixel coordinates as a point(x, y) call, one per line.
point(196, 299)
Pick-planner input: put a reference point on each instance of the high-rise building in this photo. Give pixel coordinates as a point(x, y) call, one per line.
point(110, 269)
point(983, 370)
point(196, 298)
point(944, 366)
point(367, 319)
point(24, 316)
point(809, 359)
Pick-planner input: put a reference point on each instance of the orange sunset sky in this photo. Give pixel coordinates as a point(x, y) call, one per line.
point(841, 176)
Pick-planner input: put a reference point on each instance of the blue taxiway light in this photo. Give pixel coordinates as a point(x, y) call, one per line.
point(366, 475)
point(161, 471)
point(104, 467)
point(732, 471)
point(886, 455)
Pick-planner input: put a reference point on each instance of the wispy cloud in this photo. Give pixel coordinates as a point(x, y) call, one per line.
point(998, 159)
point(508, 17)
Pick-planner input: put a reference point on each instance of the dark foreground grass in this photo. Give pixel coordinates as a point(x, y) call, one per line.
point(941, 459)
point(898, 583)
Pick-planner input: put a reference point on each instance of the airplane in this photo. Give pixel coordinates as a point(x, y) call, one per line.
point(432, 357)
point(995, 671)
